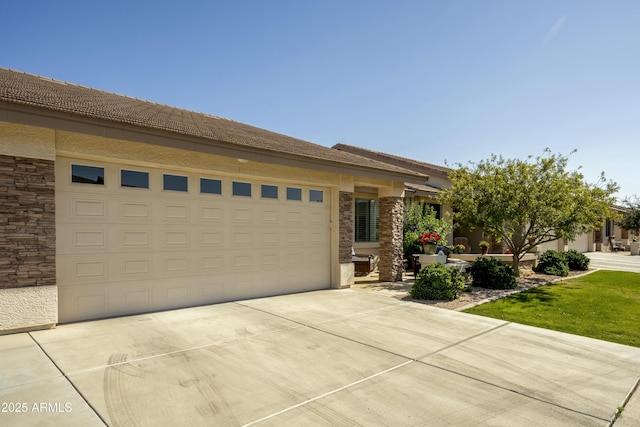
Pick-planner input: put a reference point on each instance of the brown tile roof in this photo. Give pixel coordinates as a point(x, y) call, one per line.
point(418, 188)
point(411, 164)
point(57, 96)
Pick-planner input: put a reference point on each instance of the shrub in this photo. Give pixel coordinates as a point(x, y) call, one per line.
point(552, 262)
point(436, 281)
point(488, 272)
point(576, 260)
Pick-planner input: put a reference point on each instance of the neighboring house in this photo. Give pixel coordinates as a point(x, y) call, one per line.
point(612, 231)
point(111, 205)
point(595, 241)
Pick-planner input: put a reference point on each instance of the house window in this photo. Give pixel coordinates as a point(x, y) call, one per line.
point(210, 186)
point(175, 183)
point(316, 196)
point(436, 208)
point(294, 193)
point(134, 179)
point(367, 220)
point(269, 191)
point(608, 228)
point(241, 189)
point(87, 174)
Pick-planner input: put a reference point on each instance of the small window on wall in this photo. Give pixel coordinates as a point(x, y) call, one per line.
point(436, 208)
point(175, 183)
point(134, 179)
point(241, 189)
point(294, 193)
point(367, 220)
point(608, 228)
point(210, 186)
point(87, 174)
point(269, 191)
point(316, 196)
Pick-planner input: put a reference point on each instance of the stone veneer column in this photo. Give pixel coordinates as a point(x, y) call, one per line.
point(391, 262)
point(27, 222)
point(345, 269)
point(27, 243)
point(346, 227)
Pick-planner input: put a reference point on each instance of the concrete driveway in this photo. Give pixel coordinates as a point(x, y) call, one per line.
point(335, 357)
point(620, 261)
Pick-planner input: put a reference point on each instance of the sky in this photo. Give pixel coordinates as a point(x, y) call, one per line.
point(444, 82)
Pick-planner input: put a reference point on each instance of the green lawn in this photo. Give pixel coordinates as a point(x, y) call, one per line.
point(603, 305)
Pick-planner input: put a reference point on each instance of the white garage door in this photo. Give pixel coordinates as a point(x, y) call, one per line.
point(581, 243)
point(135, 239)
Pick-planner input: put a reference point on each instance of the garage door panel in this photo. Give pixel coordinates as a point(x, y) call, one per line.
point(82, 302)
point(241, 262)
point(242, 215)
point(269, 261)
point(209, 213)
point(269, 216)
point(136, 299)
point(79, 269)
point(175, 212)
point(134, 238)
point(237, 288)
point(131, 250)
point(81, 238)
point(87, 208)
point(134, 211)
point(211, 238)
point(210, 263)
point(175, 265)
point(134, 267)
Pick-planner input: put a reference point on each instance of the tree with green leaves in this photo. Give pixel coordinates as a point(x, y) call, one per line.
point(525, 203)
point(631, 216)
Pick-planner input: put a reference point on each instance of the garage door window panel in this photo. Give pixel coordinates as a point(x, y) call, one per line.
point(242, 189)
point(269, 191)
point(175, 183)
point(210, 186)
point(134, 179)
point(87, 174)
point(316, 196)
point(294, 193)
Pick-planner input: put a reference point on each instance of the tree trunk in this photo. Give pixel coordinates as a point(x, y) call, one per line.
point(516, 264)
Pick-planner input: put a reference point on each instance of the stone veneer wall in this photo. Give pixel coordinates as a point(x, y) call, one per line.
point(391, 263)
point(27, 222)
point(346, 227)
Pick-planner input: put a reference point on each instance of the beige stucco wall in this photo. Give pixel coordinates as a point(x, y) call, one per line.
point(27, 141)
point(91, 147)
point(33, 307)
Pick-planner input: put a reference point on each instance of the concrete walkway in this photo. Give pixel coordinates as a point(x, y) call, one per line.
point(335, 357)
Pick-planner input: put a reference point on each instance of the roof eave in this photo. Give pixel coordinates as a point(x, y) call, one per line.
point(48, 118)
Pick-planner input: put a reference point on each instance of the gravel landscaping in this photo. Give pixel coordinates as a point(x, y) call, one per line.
point(400, 290)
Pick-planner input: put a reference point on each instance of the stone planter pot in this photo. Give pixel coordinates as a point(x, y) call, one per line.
point(429, 248)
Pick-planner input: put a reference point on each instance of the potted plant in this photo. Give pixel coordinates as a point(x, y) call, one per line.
point(430, 242)
point(460, 248)
point(484, 247)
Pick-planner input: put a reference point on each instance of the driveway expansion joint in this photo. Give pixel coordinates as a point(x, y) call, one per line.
point(329, 393)
point(68, 380)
